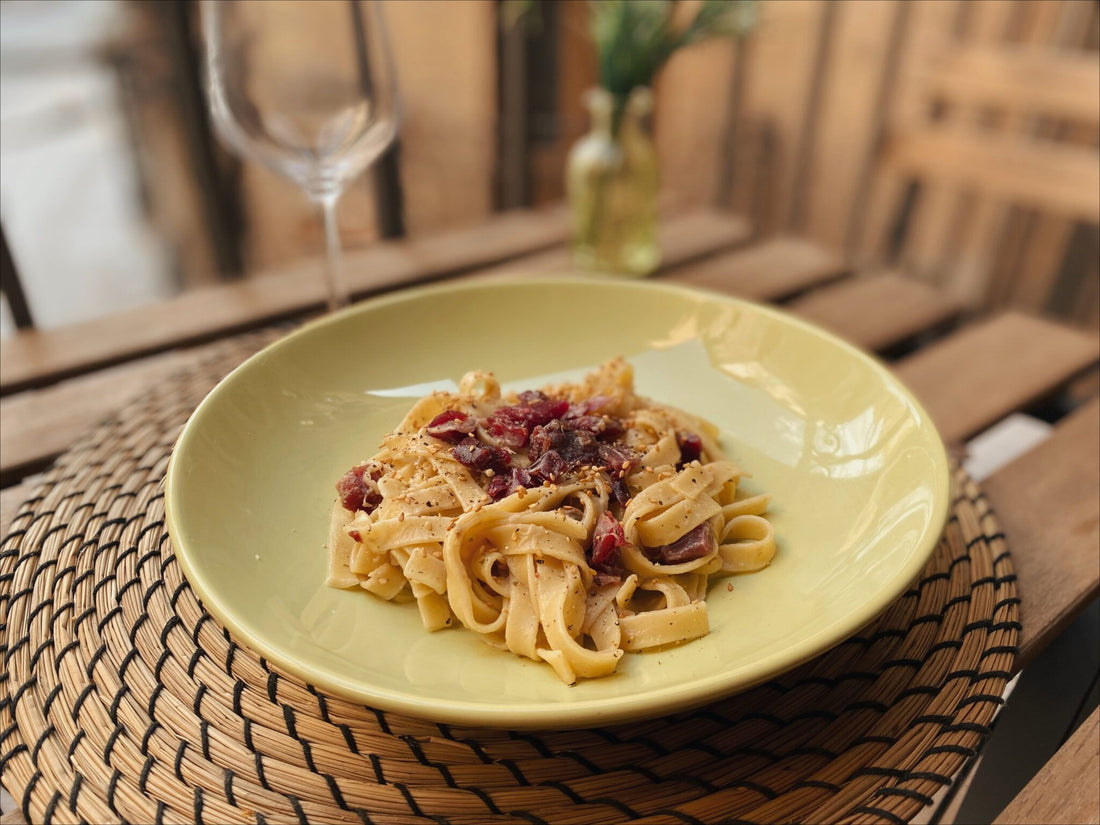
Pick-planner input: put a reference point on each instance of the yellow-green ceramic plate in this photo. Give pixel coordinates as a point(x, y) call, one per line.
point(858, 474)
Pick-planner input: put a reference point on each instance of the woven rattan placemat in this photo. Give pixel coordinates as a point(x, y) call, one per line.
point(122, 700)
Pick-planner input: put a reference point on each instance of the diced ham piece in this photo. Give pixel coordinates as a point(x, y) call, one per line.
point(499, 487)
point(691, 447)
point(607, 539)
point(617, 457)
point(503, 485)
point(473, 454)
point(620, 492)
point(603, 579)
point(357, 491)
point(452, 426)
point(692, 545)
point(549, 467)
point(510, 433)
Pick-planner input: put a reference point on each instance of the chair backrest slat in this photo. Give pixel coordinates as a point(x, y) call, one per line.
point(1044, 174)
point(1026, 80)
point(12, 288)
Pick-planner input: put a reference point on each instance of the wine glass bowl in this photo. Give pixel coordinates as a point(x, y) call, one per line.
point(306, 88)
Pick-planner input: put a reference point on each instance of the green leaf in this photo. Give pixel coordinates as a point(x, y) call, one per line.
point(635, 38)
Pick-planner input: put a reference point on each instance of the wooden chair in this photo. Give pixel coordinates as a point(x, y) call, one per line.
point(990, 190)
point(1012, 130)
point(12, 288)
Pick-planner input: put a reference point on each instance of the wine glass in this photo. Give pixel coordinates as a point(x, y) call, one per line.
point(307, 88)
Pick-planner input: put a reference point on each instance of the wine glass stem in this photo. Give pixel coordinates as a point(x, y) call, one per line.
point(334, 271)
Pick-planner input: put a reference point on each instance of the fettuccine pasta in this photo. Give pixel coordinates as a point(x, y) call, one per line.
point(567, 525)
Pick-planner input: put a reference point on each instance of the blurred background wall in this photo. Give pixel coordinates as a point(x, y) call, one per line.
point(114, 192)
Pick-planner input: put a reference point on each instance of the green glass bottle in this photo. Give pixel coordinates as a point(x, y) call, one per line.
point(611, 183)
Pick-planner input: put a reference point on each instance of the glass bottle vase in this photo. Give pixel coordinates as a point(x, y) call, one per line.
point(611, 184)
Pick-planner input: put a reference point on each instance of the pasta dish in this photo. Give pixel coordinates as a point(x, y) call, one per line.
point(567, 525)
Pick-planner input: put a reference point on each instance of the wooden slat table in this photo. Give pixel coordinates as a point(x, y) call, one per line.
point(969, 372)
point(1065, 790)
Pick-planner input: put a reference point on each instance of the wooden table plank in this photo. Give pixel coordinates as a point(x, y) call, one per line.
point(36, 357)
point(1066, 789)
point(771, 270)
point(1048, 502)
point(684, 239)
point(41, 424)
point(880, 311)
point(977, 376)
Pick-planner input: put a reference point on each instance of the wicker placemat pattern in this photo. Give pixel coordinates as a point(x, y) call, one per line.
point(122, 700)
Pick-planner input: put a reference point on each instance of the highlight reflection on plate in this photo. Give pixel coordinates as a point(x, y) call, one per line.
point(858, 475)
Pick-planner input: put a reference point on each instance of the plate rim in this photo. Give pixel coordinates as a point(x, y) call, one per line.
point(588, 712)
